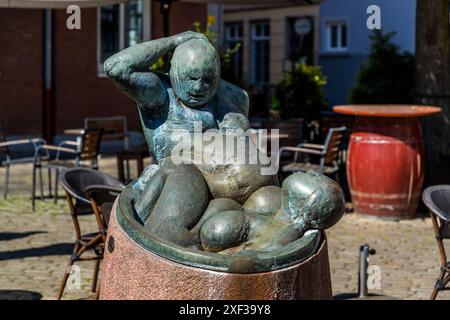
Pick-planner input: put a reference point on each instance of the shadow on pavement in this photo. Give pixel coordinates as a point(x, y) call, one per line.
point(355, 296)
point(58, 249)
point(19, 295)
point(6, 236)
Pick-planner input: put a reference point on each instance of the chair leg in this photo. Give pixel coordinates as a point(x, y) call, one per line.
point(89, 245)
point(64, 280)
point(41, 184)
point(77, 252)
point(128, 169)
point(95, 278)
point(439, 284)
point(67, 272)
point(120, 171)
point(49, 182)
point(33, 189)
point(337, 177)
point(56, 185)
point(6, 181)
point(140, 166)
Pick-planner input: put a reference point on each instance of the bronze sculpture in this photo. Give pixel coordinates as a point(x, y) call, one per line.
point(211, 214)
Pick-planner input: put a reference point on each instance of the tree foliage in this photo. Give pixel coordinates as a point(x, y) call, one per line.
point(387, 77)
point(300, 93)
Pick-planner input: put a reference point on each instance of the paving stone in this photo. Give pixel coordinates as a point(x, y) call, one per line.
point(35, 248)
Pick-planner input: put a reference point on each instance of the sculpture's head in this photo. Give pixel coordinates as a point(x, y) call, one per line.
point(311, 201)
point(195, 72)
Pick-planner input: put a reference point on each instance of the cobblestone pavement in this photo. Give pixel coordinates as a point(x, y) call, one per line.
point(35, 247)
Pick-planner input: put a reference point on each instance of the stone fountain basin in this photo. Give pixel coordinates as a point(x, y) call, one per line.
point(291, 254)
point(140, 266)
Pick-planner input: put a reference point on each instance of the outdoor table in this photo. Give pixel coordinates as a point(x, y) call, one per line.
point(385, 167)
point(131, 154)
point(74, 132)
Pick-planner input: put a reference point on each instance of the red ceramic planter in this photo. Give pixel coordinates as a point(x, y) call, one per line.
point(385, 166)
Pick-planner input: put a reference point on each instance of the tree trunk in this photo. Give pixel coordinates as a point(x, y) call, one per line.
point(433, 85)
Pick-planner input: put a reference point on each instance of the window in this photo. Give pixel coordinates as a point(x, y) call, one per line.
point(134, 22)
point(120, 26)
point(260, 53)
point(109, 32)
point(336, 36)
point(300, 40)
point(233, 36)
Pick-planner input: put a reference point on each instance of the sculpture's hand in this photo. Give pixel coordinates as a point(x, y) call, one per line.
point(130, 69)
point(188, 35)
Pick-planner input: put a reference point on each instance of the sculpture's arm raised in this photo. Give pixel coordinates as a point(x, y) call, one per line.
point(130, 69)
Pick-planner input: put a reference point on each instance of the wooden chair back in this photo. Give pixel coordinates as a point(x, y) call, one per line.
point(114, 128)
point(90, 144)
point(333, 144)
point(335, 120)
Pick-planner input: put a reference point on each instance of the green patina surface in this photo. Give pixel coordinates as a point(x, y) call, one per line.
point(252, 262)
point(225, 217)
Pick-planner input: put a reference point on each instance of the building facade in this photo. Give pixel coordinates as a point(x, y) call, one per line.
point(79, 86)
point(329, 33)
point(345, 43)
point(273, 38)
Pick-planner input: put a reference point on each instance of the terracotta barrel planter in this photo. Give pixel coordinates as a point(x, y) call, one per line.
point(132, 272)
point(385, 166)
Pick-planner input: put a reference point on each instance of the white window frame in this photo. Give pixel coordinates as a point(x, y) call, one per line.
point(339, 24)
point(236, 38)
point(146, 24)
point(254, 37)
point(236, 25)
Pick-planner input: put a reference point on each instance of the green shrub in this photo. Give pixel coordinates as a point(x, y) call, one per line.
point(300, 93)
point(387, 77)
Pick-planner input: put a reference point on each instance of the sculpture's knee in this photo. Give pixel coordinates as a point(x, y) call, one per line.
point(224, 230)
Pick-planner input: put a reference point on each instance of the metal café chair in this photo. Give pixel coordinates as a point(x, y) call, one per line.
point(328, 154)
point(94, 202)
point(84, 153)
point(7, 159)
point(102, 199)
point(117, 140)
point(437, 200)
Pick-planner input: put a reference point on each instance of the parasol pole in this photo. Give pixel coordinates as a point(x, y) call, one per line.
point(48, 105)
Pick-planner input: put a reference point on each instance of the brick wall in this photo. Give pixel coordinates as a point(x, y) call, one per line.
point(182, 17)
point(21, 70)
point(78, 90)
